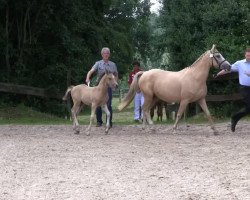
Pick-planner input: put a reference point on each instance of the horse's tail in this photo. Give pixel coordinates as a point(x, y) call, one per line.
point(65, 97)
point(134, 87)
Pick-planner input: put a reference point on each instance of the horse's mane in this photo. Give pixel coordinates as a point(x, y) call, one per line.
point(197, 60)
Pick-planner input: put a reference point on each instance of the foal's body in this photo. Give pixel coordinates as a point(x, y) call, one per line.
point(185, 86)
point(91, 96)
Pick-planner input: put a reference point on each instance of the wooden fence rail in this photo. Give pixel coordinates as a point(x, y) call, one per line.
point(47, 93)
point(27, 90)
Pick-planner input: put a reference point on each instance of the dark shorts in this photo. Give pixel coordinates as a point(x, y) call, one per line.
point(245, 92)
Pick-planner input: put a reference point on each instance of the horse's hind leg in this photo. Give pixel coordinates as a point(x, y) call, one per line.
point(106, 110)
point(149, 102)
point(182, 108)
point(203, 105)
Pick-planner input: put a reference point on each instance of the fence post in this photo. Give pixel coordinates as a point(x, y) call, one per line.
point(120, 95)
point(197, 109)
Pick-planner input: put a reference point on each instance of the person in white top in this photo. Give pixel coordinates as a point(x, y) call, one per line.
point(243, 69)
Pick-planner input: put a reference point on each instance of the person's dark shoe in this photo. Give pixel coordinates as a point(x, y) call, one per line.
point(137, 120)
point(98, 124)
point(233, 124)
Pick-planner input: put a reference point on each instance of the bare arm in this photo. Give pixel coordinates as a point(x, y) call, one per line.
point(89, 75)
point(222, 72)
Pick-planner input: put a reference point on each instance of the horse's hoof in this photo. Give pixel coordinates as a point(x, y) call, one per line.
point(87, 133)
point(77, 132)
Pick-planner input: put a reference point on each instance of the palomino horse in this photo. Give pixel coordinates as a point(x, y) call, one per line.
point(184, 87)
point(92, 96)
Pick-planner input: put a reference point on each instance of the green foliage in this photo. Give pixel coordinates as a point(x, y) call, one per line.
point(21, 114)
point(190, 27)
point(187, 28)
point(53, 44)
point(224, 109)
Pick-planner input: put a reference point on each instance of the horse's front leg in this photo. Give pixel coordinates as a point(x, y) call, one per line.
point(93, 110)
point(203, 105)
point(106, 110)
point(182, 108)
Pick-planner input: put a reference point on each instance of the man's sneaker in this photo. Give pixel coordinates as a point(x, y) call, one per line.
point(98, 124)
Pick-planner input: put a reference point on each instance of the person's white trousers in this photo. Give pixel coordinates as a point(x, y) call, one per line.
point(138, 102)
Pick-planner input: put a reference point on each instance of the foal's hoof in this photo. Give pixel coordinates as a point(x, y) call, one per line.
point(77, 132)
point(107, 131)
point(174, 129)
point(216, 133)
point(87, 133)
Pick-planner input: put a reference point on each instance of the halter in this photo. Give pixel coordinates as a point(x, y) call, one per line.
point(212, 56)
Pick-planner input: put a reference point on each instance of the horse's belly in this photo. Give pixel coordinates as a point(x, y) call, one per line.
point(168, 96)
point(168, 92)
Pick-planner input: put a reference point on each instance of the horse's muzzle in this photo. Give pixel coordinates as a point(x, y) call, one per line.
point(114, 86)
point(225, 65)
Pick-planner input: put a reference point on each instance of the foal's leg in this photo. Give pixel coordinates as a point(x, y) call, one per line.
point(203, 105)
point(182, 108)
point(106, 110)
point(93, 109)
point(74, 112)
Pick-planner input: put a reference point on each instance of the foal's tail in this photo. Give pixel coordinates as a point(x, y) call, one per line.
point(65, 97)
point(131, 93)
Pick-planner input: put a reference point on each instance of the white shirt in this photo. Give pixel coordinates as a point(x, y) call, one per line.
point(242, 67)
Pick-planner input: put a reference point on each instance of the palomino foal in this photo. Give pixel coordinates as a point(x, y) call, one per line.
point(91, 96)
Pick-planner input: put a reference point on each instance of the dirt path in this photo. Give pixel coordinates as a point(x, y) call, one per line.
point(50, 162)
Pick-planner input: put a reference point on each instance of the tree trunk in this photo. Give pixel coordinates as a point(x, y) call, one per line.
point(69, 104)
point(7, 56)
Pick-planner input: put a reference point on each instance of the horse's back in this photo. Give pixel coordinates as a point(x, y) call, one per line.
point(81, 93)
point(88, 95)
point(165, 85)
point(156, 75)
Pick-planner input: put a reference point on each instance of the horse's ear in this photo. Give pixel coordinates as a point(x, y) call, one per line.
point(213, 47)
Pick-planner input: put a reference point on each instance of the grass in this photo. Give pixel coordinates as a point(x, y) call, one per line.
point(24, 115)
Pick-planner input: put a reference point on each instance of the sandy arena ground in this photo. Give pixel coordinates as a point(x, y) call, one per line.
point(50, 162)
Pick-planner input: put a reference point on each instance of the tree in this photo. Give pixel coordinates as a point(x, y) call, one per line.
point(57, 42)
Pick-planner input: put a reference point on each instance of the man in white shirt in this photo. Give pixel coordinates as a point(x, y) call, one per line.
point(243, 69)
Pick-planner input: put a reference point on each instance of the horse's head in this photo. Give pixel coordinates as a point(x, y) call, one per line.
point(111, 80)
point(218, 60)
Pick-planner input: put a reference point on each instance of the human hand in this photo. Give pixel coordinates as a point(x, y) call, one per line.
point(215, 76)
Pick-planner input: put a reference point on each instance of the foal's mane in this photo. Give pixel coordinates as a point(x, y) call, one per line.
point(100, 78)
